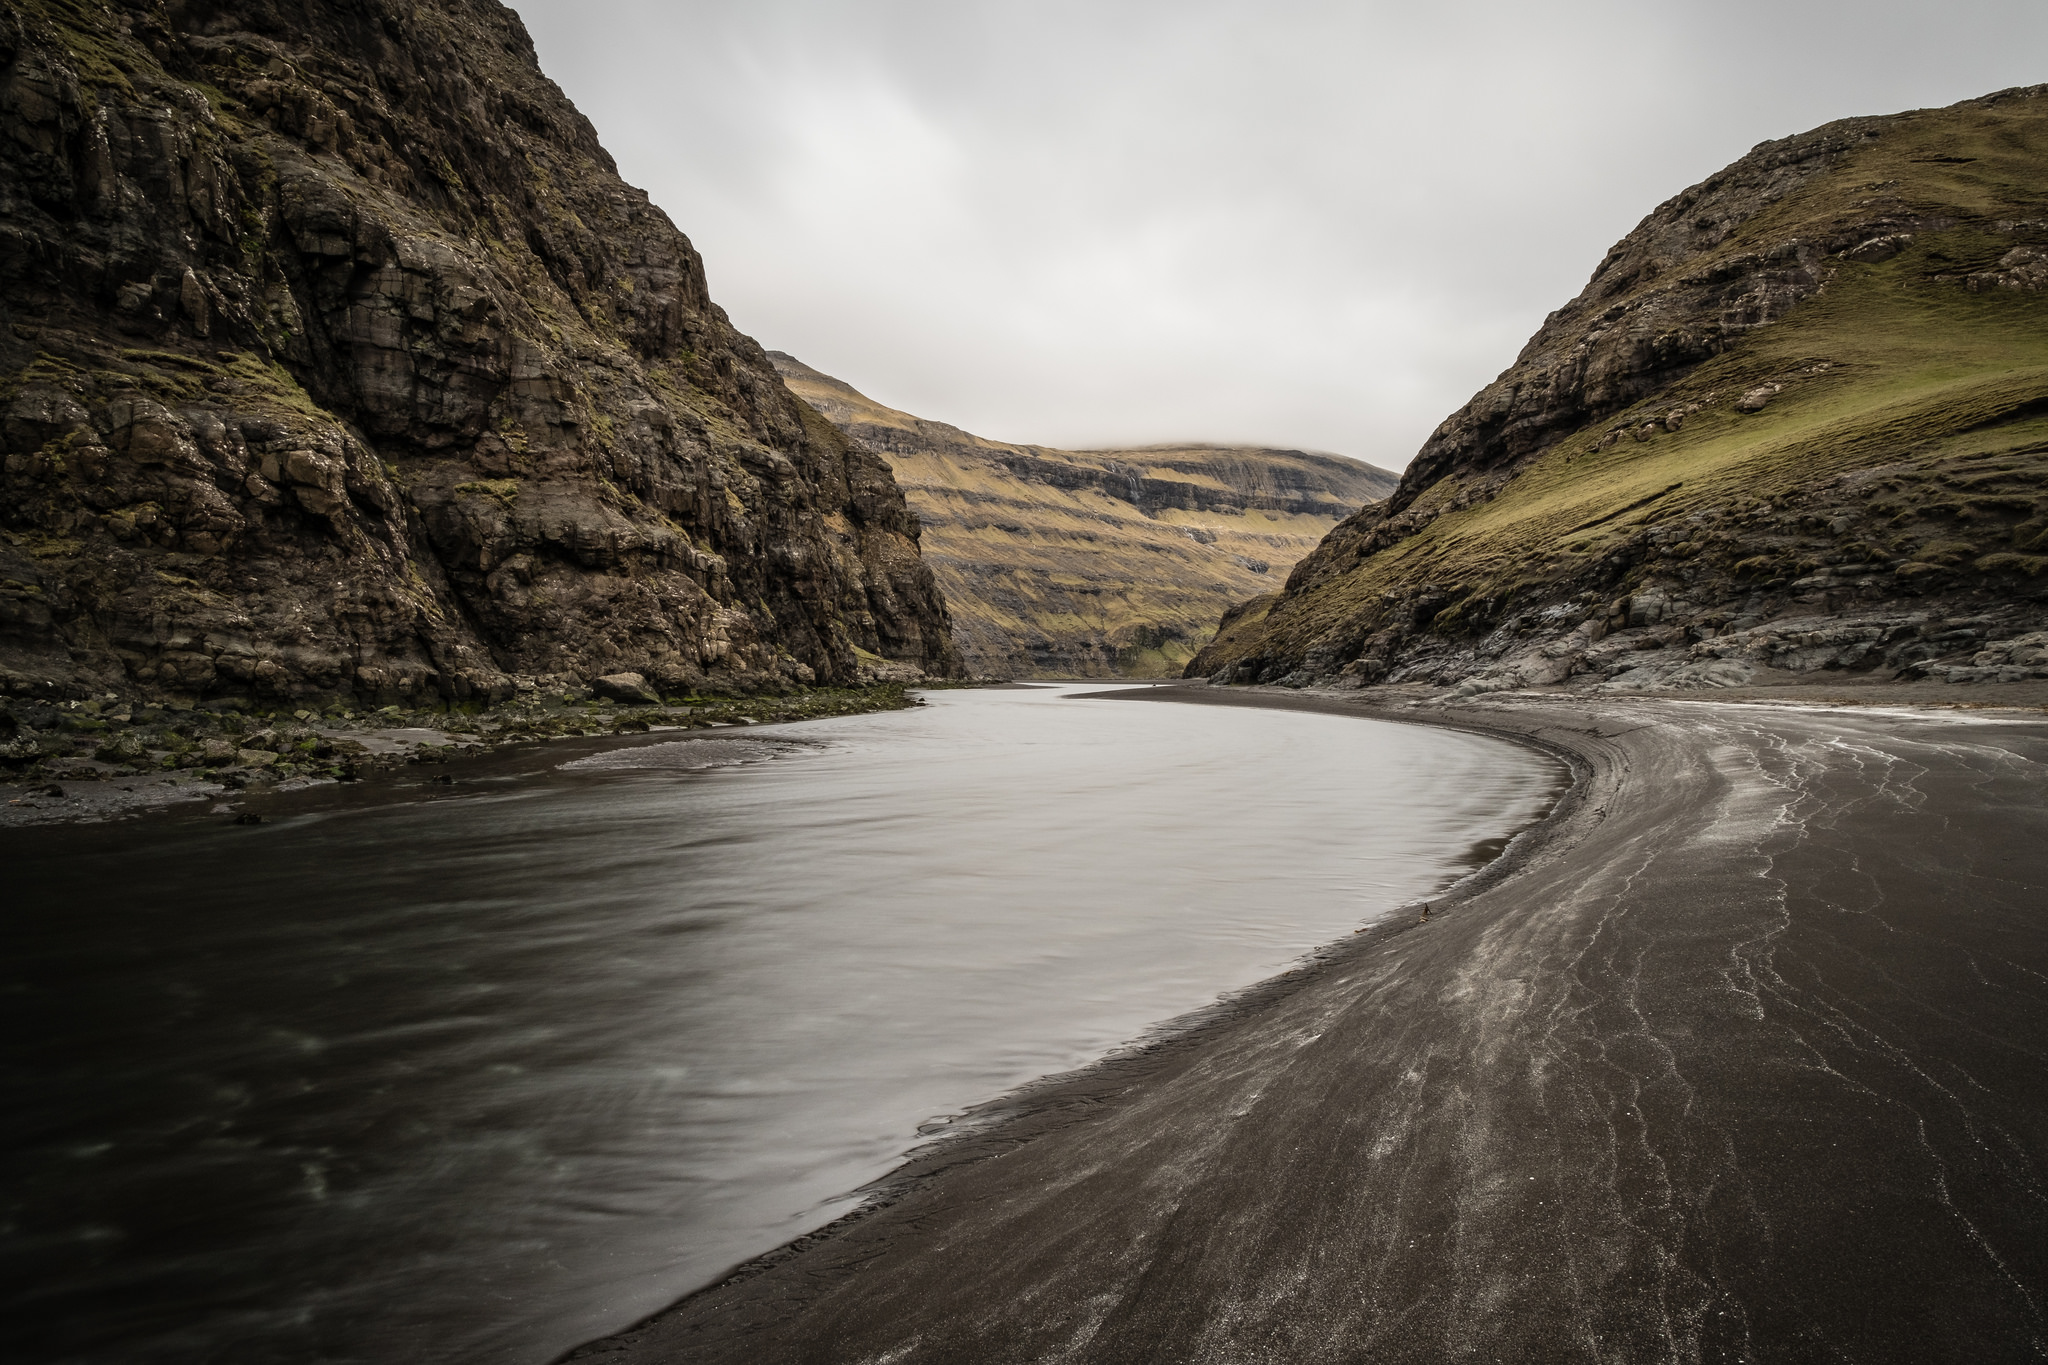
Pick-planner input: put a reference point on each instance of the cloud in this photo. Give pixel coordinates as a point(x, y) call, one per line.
point(1312, 224)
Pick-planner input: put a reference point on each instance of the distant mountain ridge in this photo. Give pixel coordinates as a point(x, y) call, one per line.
point(1101, 562)
point(1795, 425)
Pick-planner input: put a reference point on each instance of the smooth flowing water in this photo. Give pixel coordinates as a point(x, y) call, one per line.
point(479, 1075)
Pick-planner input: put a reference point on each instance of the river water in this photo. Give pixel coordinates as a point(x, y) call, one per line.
point(477, 1072)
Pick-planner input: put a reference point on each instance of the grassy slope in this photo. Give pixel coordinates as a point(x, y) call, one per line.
point(1052, 580)
point(1896, 370)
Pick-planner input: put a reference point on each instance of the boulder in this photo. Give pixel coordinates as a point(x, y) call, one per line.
point(631, 687)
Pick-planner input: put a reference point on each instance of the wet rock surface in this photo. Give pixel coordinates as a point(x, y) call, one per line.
point(1729, 1060)
point(337, 363)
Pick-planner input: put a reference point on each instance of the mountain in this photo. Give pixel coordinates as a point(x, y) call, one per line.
point(1796, 425)
point(1089, 563)
point(338, 362)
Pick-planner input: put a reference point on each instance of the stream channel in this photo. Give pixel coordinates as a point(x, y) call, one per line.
point(476, 1072)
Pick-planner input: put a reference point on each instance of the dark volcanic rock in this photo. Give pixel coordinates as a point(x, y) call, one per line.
point(339, 361)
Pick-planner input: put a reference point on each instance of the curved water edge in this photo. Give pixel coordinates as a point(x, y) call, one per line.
point(1043, 1104)
point(616, 1028)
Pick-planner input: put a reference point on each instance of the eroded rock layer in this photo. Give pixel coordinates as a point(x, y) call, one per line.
point(338, 361)
point(1090, 563)
point(1797, 423)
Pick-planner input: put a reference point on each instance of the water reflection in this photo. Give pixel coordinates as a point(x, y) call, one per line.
point(478, 1078)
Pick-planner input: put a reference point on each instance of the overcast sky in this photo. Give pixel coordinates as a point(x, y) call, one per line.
point(1098, 222)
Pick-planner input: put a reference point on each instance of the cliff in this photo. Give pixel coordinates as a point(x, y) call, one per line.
point(1796, 423)
point(1091, 563)
point(338, 362)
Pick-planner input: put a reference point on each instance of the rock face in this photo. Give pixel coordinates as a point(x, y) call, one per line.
point(1091, 563)
point(1797, 421)
point(339, 362)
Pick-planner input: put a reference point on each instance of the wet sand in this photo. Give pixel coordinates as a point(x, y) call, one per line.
point(1742, 1054)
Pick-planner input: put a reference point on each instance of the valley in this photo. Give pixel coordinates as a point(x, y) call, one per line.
point(1096, 563)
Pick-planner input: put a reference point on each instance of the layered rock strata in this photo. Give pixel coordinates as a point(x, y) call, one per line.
point(1089, 563)
point(1796, 423)
point(339, 362)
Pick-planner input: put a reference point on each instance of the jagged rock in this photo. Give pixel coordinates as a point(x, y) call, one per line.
point(343, 364)
point(2024, 267)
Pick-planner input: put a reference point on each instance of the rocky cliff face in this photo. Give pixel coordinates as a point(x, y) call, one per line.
point(1092, 563)
point(1794, 424)
point(340, 362)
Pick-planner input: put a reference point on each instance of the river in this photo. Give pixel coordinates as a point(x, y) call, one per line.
point(475, 1072)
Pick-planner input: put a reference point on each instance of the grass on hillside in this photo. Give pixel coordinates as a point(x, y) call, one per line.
point(1889, 369)
point(1022, 561)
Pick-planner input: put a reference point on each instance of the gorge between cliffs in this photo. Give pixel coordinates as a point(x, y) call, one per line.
point(536, 829)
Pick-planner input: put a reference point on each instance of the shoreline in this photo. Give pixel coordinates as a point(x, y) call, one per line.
point(875, 1279)
point(1054, 1102)
point(198, 763)
point(1050, 1103)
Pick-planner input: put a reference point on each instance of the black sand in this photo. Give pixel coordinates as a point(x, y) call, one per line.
point(1742, 1055)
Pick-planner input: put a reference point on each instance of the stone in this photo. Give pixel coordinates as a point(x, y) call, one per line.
point(2023, 267)
point(627, 687)
point(1880, 248)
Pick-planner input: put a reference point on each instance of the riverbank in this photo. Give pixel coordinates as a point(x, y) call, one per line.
point(1733, 1056)
point(499, 1055)
point(110, 758)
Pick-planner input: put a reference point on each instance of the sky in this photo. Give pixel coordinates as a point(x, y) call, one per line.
point(1300, 223)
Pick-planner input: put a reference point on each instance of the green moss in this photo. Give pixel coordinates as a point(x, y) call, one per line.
point(49, 547)
point(101, 56)
point(513, 434)
point(2032, 566)
point(505, 491)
